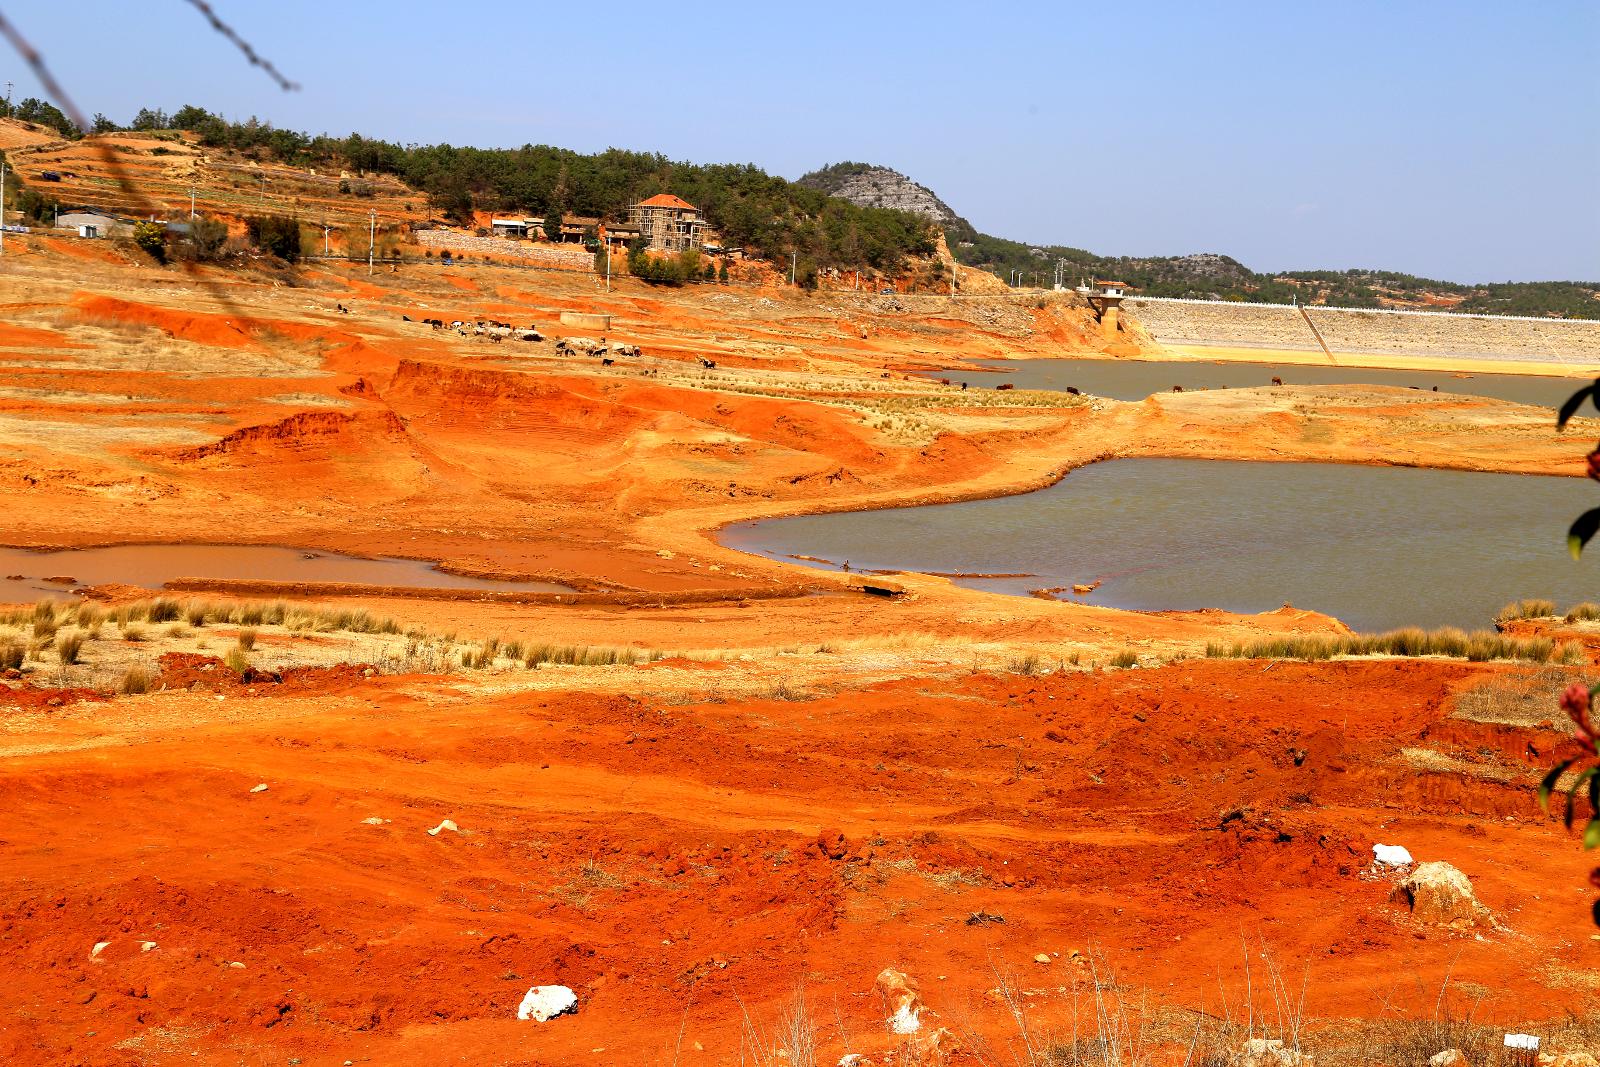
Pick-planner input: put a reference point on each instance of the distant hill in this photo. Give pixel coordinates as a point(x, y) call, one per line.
point(1205, 275)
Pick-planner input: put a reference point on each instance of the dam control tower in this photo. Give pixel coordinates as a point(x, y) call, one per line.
point(1105, 297)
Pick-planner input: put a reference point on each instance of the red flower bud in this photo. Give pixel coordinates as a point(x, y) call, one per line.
point(1583, 737)
point(1575, 702)
point(1594, 464)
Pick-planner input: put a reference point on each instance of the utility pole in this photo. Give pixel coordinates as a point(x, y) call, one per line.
point(3, 189)
point(608, 266)
point(372, 233)
point(794, 259)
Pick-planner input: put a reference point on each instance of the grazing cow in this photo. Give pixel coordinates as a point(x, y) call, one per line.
point(963, 387)
point(885, 374)
point(1073, 389)
point(709, 364)
point(1436, 388)
point(607, 362)
point(1277, 381)
point(1177, 388)
point(944, 381)
point(456, 325)
point(1004, 387)
point(342, 309)
point(405, 318)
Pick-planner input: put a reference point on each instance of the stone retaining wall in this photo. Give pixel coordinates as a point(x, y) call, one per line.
point(503, 248)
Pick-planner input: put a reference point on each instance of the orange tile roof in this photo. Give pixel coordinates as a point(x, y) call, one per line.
point(667, 200)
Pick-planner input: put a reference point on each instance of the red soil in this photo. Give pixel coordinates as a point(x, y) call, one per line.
point(659, 858)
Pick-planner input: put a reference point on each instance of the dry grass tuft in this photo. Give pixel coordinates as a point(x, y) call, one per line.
point(136, 680)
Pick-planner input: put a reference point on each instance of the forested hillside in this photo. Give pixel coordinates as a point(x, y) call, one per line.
point(767, 215)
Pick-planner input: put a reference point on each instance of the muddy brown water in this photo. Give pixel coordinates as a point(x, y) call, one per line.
point(152, 566)
point(1129, 379)
point(1378, 547)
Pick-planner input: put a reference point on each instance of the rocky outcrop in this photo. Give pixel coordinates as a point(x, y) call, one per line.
point(873, 186)
point(1440, 895)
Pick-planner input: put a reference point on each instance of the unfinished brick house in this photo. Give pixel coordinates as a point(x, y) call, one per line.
point(669, 223)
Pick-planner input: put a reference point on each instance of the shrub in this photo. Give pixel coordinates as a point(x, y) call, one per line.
point(131, 632)
point(247, 639)
point(164, 609)
point(151, 237)
point(195, 615)
point(236, 660)
point(1125, 658)
point(275, 234)
point(1584, 612)
point(11, 656)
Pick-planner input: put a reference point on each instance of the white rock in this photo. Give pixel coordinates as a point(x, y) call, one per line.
point(262, 788)
point(99, 948)
point(1393, 855)
point(850, 1059)
point(236, 965)
point(443, 826)
point(545, 1002)
point(374, 821)
point(147, 946)
point(1524, 1041)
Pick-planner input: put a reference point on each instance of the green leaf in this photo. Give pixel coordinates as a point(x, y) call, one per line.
point(1591, 834)
point(1550, 780)
point(1574, 402)
point(1582, 531)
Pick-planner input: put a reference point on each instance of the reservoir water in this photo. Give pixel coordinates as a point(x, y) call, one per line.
point(152, 566)
point(1378, 547)
point(1127, 379)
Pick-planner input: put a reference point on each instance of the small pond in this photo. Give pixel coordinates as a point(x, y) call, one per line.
point(152, 566)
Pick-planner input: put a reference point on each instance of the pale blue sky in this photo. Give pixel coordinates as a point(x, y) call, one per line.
point(1449, 139)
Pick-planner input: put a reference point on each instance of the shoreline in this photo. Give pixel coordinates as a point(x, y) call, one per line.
point(1191, 352)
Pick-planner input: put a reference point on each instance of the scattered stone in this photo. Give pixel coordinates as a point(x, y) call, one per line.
point(1392, 855)
point(147, 946)
point(236, 965)
point(545, 1002)
point(262, 788)
point(1441, 895)
point(99, 947)
point(901, 1000)
point(1042, 957)
point(984, 918)
point(374, 821)
point(1450, 1057)
point(1259, 1052)
point(445, 825)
